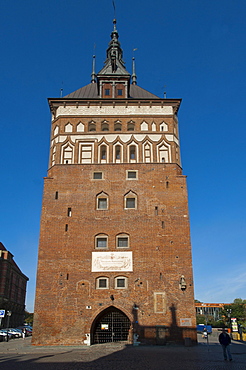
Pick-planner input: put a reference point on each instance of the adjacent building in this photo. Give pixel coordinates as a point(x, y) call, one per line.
point(12, 290)
point(114, 258)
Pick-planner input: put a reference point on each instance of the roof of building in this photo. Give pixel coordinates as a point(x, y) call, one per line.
point(90, 91)
point(8, 256)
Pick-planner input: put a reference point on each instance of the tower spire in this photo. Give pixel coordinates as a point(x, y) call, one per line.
point(93, 75)
point(134, 76)
point(114, 64)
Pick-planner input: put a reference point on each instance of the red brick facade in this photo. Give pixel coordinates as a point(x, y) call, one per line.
point(114, 241)
point(12, 289)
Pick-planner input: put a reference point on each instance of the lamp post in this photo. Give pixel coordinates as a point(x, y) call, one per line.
point(229, 317)
point(9, 313)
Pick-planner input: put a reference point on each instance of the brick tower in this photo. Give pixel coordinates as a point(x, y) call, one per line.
point(114, 258)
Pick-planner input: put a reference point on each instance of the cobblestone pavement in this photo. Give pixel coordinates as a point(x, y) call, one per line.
point(19, 354)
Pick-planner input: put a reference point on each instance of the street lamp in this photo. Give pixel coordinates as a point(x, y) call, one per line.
point(229, 317)
point(9, 313)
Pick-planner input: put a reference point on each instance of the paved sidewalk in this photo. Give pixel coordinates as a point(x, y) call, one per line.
point(19, 354)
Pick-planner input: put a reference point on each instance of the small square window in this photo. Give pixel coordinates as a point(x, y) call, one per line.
point(120, 92)
point(101, 242)
point(131, 174)
point(102, 203)
point(102, 283)
point(97, 175)
point(121, 282)
point(122, 242)
point(130, 202)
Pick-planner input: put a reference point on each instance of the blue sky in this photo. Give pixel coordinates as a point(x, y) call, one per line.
point(194, 50)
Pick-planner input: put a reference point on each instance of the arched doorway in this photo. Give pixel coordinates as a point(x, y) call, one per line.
point(111, 325)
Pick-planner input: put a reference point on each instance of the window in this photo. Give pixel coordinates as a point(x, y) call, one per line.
point(103, 152)
point(86, 152)
point(147, 152)
point(121, 282)
point(132, 152)
point(92, 127)
point(102, 203)
point(102, 283)
point(97, 175)
point(130, 127)
point(117, 126)
point(122, 241)
point(107, 92)
point(117, 152)
point(130, 202)
point(101, 242)
point(131, 174)
point(119, 92)
point(104, 127)
point(69, 212)
point(67, 154)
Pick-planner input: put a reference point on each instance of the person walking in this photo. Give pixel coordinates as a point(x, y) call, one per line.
point(225, 342)
point(23, 333)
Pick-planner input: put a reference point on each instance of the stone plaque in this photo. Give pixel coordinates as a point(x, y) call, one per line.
point(111, 261)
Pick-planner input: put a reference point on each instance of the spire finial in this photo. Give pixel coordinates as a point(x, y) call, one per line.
point(93, 75)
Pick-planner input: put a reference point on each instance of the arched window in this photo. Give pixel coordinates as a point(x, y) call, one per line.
point(104, 126)
point(163, 155)
point(102, 201)
point(163, 126)
point(67, 154)
point(117, 152)
point(68, 127)
point(103, 154)
point(132, 153)
point(144, 126)
point(92, 126)
point(130, 200)
point(80, 127)
point(117, 126)
point(147, 152)
point(130, 126)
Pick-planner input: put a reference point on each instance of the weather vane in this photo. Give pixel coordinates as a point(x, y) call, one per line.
point(114, 8)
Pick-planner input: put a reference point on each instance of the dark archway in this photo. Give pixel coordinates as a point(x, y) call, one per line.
point(111, 325)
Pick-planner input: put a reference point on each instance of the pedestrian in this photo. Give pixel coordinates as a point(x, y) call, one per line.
point(23, 333)
point(205, 333)
point(225, 342)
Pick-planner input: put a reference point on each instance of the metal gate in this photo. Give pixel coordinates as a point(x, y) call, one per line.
point(111, 326)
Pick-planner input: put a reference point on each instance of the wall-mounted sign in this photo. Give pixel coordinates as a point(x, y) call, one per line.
point(111, 261)
point(185, 322)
